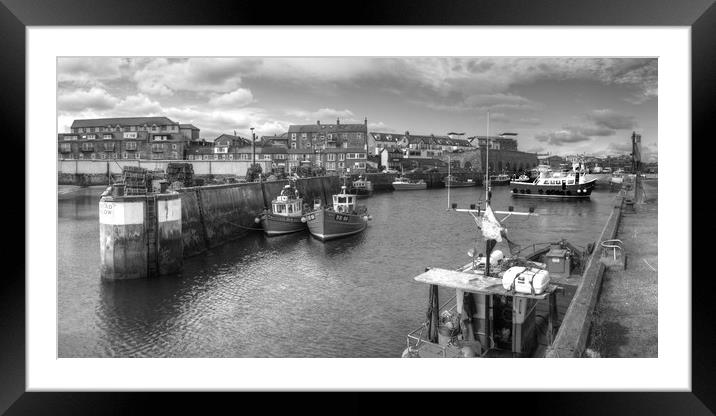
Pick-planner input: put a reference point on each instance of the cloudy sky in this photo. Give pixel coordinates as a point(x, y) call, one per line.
point(556, 105)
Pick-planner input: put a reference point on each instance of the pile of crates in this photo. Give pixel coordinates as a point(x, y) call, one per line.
point(136, 181)
point(180, 172)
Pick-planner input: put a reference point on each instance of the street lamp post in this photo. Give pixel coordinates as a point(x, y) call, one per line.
point(253, 147)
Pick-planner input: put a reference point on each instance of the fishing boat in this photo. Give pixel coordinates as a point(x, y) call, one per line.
point(341, 219)
point(451, 181)
point(556, 185)
point(504, 306)
point(499, 180)
point(617, 178)
point(403, 183)
point(361, 187)
point(285, 214)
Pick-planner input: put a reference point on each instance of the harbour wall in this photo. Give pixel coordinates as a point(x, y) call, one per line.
point(98, 172)
point(147, 235)
point(215, 214)
point(571, 339)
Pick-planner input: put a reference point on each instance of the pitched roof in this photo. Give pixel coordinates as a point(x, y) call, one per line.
point(234, 139)
point(326, 128)
point(122, 121)
point(188, 126)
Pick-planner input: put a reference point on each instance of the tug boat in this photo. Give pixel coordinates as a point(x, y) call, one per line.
point(500, 180)
point(361, 188)
point(452, 182)
point(556, 185)
point(342, 219)
point(285, 215)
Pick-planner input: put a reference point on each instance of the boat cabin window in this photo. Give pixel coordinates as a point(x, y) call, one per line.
point(278, 208)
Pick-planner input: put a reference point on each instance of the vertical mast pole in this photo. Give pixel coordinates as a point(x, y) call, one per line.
point(448, 182)
point(487, 163)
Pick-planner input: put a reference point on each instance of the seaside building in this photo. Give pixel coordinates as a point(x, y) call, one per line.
point(156, 138)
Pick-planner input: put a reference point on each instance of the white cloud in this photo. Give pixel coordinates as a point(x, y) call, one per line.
point(95, 98)
point(611, 119)
point(237, 98)
point(326, 114)
point(166, 76)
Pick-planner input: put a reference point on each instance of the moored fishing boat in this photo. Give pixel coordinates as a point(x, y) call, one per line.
point(361, 187)
point(499, 305)
point(453, 182)
point(499, 180)
point(285, 214)
point(555, 185)
point(405, 184)
point(341, 219)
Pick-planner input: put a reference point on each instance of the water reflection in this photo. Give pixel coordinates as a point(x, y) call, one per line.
point(290, 295)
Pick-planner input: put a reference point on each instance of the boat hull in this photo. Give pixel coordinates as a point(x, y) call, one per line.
point(274, 225)
point(409, 186)
point(531, 190)
point(459, 184)
point(361, 193)
point(326, 224)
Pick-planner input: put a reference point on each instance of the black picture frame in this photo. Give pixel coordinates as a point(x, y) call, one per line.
point(700, 15)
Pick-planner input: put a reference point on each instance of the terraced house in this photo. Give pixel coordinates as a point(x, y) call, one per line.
point(157, 138)
point(336, 147)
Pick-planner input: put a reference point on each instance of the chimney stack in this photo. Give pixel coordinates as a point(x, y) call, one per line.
point(365, 122)
point(338, 121)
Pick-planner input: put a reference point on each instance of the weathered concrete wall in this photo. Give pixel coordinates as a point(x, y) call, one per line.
point(507, 160)
point(194, 238)
point(170, 250)
point(123, 243)
point(572, 336)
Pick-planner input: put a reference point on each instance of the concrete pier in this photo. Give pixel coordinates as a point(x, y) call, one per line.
point(626, 316)
point(140, 236)
point(122, 238)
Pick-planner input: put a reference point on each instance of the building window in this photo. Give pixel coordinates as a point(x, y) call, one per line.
point(331, 157)
point(103, 156)
point(231, 156)
point(109, 146)
point(341, 156)
point(91, 136)
point(157, 147)
point(81, 156)
point(93, 156)
point(345, 145)
point(161, 137)
point(106, 136)
point(80, 130)
point(125, 155)
point(87, 147)
point(267, 157)
point(293, 137)
point(304, 136)
point(174, 146)
point(130, 146)
point(245, 156)
point(293, 145)
point(175, 155)
point(216, 157)
point(133, 128)
point(65, 147)
point(137, 155)
point(206, 157)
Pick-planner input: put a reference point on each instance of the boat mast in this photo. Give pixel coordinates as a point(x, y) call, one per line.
point(448, 182)
point(487, 163)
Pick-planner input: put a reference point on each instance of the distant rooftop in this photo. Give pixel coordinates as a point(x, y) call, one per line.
point(122, 121)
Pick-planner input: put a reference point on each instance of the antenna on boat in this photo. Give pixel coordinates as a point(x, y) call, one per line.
point(487, 163)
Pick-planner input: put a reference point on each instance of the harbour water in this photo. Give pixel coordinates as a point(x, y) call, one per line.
point(290, 296)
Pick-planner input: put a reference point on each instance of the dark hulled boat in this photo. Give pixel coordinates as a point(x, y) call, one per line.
point(285, 215)
point(342, 219)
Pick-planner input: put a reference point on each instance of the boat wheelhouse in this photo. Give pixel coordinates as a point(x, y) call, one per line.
point(285, 214)
point(362, 188)
point(343, 218)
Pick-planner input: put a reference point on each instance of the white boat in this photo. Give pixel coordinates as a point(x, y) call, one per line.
point(406, 184)
point(556, 185)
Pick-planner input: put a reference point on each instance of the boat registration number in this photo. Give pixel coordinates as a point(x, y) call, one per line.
point(343, 218)
point(310, 217)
